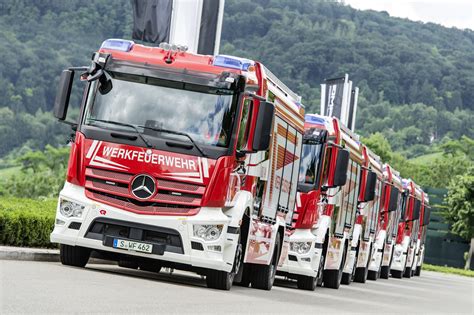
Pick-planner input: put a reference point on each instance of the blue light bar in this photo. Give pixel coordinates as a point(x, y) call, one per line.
point(118, 44)
point(314, 119)
point(232, 62)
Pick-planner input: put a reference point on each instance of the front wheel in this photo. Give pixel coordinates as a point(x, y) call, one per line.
point(222, 280)
point(332, 278)
point(397, 274)
point(264, 275)
point(384, 272)
point(418, 271)
point(74, 255)
point(407, 273)
point(307, 283)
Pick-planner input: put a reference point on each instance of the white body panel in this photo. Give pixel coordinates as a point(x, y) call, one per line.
point(399, 260)
point(378, 251)
point(306, 264)
point(184, 225)
point(352, 249)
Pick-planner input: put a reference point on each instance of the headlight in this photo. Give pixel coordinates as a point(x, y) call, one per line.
point(207, 232)
point(300, 247)
point(71, 209)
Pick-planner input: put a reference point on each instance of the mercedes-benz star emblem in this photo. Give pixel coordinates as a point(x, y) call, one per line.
point(143, 186)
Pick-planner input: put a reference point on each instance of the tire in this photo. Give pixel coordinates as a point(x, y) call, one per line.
point(407, 273)
point(397, 274)
point(74, 255)
point(217, 279)
point(322, 261)
point(373, 275)
point(130, 264)
point(384, 272)
point(222, 280)
point(307, 283)
point(246, 276)
point(332, 278)
point(418, 271)
point(263, 276)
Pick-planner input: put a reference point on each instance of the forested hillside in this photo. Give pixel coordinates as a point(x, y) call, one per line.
point(416, 80)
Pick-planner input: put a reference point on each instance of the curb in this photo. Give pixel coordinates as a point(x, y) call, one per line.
point(38, 254)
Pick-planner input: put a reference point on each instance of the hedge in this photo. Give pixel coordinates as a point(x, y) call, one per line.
point(26, 222)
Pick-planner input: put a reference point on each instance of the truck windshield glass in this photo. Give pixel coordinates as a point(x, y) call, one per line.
point(206, 114)
point(309, 163)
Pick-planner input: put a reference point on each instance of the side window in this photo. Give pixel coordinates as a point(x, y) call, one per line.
point(244, 125)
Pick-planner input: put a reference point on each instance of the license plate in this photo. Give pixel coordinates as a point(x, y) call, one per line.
point(133, 246)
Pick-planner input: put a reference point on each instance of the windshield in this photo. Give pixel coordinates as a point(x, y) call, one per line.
point(206, 114)
point(309, 163)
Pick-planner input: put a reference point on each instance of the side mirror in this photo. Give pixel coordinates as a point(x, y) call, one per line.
point(263, 127)
point(426, 215)
point(393, 202)
point(369, 193)
point(61, 102)
point(342, 164)
point(416, 210)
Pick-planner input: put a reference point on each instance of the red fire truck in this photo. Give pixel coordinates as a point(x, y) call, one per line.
point(182, 161)
point(407, 234)
point(387, 224)
point(366, 222)
point(323, 166)
point(424, 221)
point(336, 206)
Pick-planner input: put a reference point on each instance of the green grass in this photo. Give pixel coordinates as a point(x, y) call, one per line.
point(451, 270)
point(426, 158)
point(26, 222)
point(8, 172)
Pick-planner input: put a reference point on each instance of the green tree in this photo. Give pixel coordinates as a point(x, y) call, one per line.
point(460, 208)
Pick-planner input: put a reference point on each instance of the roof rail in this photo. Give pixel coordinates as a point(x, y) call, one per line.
point(281, 86)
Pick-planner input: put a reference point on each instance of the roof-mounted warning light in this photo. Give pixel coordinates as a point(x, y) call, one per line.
point(233, 62)
point(118, 44)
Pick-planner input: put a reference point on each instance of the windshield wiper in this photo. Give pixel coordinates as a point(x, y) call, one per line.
point(148, 144)
point(177, 133)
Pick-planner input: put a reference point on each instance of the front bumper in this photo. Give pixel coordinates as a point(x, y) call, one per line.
point(399, 258)
point(181, 225)
point(303, 264)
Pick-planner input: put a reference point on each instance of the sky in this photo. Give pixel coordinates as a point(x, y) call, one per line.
point(449, 13)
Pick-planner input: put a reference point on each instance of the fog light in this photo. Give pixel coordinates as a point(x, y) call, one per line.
point(307, 259)
point(300, 247)
point(71, 209)
point(214, 248)
point(207, 232)
point(60, 222)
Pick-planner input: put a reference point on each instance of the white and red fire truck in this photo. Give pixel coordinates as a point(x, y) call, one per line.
point(182, 161)
point(407, 235)
point(320, 159)
point(424, 221)
point(336, 206)
point(388, 221)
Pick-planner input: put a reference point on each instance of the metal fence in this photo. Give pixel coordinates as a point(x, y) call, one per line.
point(442, 247)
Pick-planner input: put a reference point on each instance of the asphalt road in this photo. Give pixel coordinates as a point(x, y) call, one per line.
point(48, 287)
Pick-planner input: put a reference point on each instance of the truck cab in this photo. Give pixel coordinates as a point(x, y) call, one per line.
point(388, 220)
point(424, 222)
point(407, 229)
point(368, 216)
point(176, 161)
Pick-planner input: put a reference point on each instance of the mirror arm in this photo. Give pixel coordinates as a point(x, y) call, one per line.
point(253, 95)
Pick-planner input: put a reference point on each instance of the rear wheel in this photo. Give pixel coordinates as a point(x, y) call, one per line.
point(373, 275)
point(264, 275)
point(322, 261)
point(74, 255)
point(332, 278)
